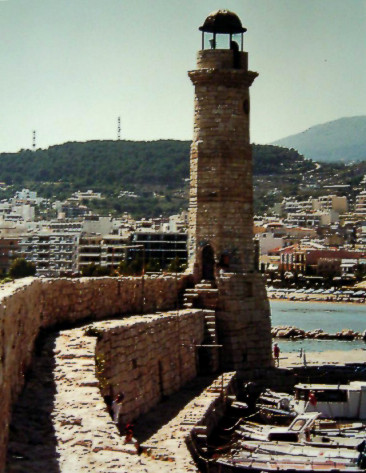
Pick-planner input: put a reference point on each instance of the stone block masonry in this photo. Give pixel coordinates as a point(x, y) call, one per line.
point(61, 423)
point(148, 358)
point(243, 323)
point(220, 244)
point(29, 305)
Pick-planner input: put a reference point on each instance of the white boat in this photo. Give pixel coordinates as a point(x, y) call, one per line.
point(255, 462)
point(342, 401)
point(295, 449)
point(297, 431)
point(319, 439)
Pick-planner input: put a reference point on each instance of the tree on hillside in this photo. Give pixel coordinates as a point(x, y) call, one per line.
point(21, 268)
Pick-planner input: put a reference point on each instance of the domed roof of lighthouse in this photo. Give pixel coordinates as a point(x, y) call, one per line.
point(222, 21)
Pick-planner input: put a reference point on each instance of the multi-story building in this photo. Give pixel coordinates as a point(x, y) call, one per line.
point(360, 235)
point(87, 195)
point(27, 196)
point(307, 259)
point(304, 219)
point(113, 250)
point(163, 247)
point(293, 259)
point(53, 253)
point(73, 210)
point(106, 251)
point(65, 226)
point(292, 205)
point(9, 250)
point(360, 206)
point(89, 251)
point(331, 202)
point(267, 241)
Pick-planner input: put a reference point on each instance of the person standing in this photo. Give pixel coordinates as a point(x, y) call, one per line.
point(276, 354)
point(116, 408)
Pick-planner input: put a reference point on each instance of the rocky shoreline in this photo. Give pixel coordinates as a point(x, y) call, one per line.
point(294, 333)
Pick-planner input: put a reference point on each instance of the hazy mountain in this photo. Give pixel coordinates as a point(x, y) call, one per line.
point(339, 140)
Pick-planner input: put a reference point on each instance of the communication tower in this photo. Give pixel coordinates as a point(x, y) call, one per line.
point(119, 128)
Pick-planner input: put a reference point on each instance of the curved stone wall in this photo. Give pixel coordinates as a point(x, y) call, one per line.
point(29, 305)
point(147, 358)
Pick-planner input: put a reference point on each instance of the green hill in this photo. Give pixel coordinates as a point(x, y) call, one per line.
point(157, 171)
point(111, 165)
point(103, 165)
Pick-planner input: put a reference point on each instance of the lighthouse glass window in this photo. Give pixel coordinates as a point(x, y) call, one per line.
point(221, 41)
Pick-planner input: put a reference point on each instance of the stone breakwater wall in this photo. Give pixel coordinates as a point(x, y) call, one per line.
point(147, 358)
point(29, 305)
point(244, 323)
point(285, 331)
point(83, 436)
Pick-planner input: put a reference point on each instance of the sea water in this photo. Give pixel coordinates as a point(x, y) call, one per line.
point(330, 317)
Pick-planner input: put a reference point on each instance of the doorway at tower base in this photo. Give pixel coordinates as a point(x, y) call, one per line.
point(243, 323)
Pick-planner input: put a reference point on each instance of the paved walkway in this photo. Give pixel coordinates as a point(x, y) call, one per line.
point(60, 422)
point(330, 357)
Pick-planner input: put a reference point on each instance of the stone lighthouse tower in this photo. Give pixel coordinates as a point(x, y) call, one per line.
point(221, 248)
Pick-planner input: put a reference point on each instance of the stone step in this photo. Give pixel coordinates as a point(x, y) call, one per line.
point(210, 331)
point(203, 290)
point(190, 296)
point(188, 305)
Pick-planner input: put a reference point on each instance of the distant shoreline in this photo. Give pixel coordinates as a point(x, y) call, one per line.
point(330, 357)
point(301, 297)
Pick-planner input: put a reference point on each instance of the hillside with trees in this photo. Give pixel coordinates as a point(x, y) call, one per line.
point(156, 171)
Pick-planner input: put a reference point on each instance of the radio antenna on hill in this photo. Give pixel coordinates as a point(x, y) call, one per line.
point(34, 140)
point(119, 128)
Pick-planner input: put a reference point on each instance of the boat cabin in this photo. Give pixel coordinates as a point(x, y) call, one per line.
point(297, 431)
point(347, 401)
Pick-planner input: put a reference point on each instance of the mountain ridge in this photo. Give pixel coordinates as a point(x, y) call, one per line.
point(340, 140)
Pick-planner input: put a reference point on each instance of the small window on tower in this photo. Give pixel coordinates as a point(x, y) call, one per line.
point(246, 106)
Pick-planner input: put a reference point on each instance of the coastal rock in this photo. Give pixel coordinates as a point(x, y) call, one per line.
point(319, 334)
point(287, 332)
point(346, 334)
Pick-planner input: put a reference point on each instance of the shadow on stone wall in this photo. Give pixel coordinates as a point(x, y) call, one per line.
point(32, 441)
point(168, 409)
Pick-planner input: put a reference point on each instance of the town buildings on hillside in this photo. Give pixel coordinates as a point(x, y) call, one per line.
point(323, 236)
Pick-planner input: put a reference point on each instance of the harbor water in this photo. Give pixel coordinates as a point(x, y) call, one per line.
point(330, 317)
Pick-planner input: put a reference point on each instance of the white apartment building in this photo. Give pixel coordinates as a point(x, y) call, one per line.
point(304, 219)
point(267, 241)
point(97, 224)
point(331, 202)
point(291, 205)
point(360, 206)
point(88, 195)
point(26, 195)
point(53, 253)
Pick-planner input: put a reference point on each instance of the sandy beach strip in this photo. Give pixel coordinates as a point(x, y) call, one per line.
point(330, 357)
point(301, 297)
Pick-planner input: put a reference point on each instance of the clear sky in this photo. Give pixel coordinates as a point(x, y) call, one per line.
point(69, 68)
